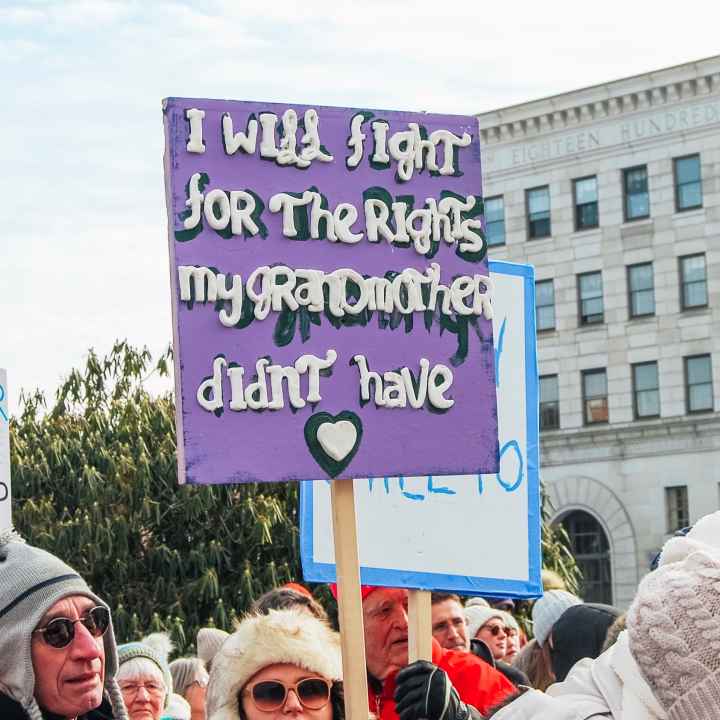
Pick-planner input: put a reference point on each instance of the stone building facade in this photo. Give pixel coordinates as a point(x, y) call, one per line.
point(612, 193)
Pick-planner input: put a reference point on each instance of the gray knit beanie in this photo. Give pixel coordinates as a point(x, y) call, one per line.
point(185, 671)
point(674, 630)
point(476, 616)
point(31, 582)
point(209, 641)
point(548, 609)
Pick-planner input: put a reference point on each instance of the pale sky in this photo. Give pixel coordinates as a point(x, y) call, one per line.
point(84, 233)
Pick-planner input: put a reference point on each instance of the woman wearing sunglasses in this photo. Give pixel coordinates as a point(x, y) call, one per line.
point(487, 624)
point(57, 648)
point(285, 663)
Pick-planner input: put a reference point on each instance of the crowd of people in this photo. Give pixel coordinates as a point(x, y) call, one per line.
point(59, 659)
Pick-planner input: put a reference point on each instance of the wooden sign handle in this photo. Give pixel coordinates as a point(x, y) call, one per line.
point(347, 567)
point(419, 626)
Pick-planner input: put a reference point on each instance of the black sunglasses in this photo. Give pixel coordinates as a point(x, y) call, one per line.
point(269, 695)
point(494, 630)
point(59, 632)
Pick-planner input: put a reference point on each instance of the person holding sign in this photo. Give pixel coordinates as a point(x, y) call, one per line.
point(456, 685)
point(285, 663)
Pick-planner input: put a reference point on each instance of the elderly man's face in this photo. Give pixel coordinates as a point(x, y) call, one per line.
point(448, 625)
point(69, 680)
point(386, 631)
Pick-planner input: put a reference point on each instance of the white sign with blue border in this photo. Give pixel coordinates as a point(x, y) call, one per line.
point(5, 517)
point(470, 534)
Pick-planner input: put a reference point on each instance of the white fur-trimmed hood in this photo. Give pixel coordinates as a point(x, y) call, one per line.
point(283, 636)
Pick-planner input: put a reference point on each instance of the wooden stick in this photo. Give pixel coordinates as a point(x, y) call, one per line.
point(419, 626)
point(347, 565)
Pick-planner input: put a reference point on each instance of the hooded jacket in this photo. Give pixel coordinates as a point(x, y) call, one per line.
point(475, 681)
point(12, 710)
point(579, 633)
point(607, 688)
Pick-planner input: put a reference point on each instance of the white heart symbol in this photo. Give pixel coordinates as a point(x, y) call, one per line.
point(337, 439)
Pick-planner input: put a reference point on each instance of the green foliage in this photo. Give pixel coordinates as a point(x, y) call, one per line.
point(556, 552)
point(95, 482)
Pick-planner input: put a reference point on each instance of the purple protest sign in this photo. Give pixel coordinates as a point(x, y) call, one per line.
point(331, 299)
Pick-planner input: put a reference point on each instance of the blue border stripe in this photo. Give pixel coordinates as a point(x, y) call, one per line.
point(465, 585)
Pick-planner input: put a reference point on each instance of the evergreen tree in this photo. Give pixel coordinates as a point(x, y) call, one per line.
point(95, 481)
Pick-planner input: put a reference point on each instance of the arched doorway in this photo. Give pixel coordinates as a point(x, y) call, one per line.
point(591, 549)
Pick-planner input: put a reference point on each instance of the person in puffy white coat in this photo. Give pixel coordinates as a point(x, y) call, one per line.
point(666, 666)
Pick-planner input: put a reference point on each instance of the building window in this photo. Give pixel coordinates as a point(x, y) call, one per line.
point(641, 290)
point(646, 390)
point(595, 396)
point(698, 383)
point(677, 510)
point(549, 403)
point(538, 212)
point(495, 221)
point(693, 282)
point(544, 305)
point(591, 550)
point(688, 183)
point(586, 203)
point(590, 298)
point(635, 191)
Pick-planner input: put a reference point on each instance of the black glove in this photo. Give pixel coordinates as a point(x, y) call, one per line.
point(424, 692)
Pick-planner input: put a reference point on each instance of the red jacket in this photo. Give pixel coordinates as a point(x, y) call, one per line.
point(476, 682)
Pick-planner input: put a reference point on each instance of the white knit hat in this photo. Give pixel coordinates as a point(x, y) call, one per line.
point(178, 708)
point(674, 625)
point(282, 636)
point(481, 601)
point(186, 671)
point(510, 620)
point(704, 535)
point(548, 609)
point(209, 641)
point(477, 615)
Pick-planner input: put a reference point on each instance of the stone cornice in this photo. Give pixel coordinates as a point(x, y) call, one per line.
point(580, 108)
point(685, 434)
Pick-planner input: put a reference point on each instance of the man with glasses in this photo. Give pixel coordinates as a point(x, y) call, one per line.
point(456, 685)
point(58, 655)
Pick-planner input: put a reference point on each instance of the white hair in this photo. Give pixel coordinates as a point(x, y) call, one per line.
point(140, 669)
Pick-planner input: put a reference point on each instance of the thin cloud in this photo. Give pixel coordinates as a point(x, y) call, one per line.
point(83, 187)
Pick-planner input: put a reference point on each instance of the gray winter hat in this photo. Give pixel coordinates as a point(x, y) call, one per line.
point(209, 641)
point(31, 582)
point(548, 609)
point(186, 671)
